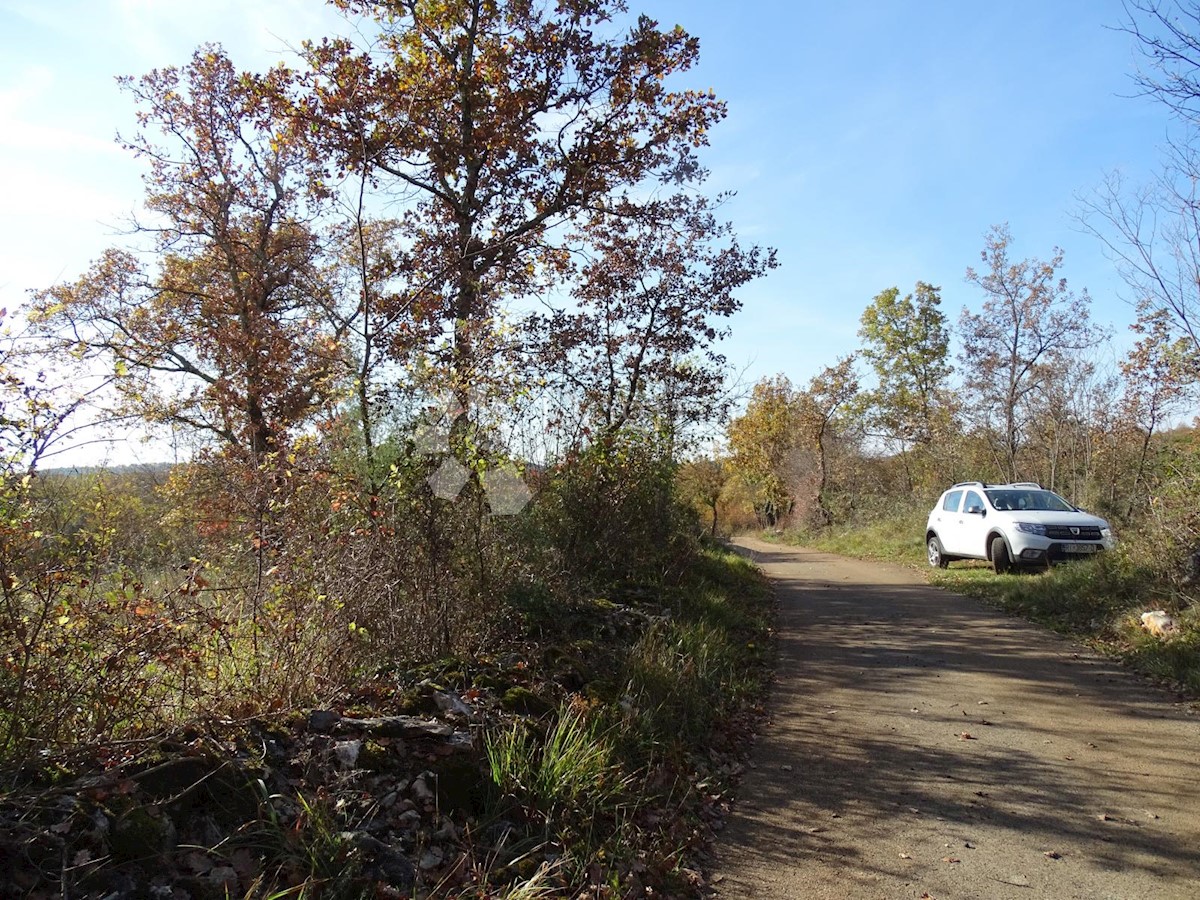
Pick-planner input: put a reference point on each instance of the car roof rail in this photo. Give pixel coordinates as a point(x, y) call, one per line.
point(1026, 484)
point(967, 484)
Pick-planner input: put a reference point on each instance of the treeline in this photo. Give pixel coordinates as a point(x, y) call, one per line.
point(1026, 398)
point(1032, 393)
point(1029, 396)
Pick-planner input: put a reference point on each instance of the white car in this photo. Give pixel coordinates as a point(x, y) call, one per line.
point(1009, 525)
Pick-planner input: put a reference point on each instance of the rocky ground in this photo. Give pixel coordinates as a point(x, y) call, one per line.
point(389, 795)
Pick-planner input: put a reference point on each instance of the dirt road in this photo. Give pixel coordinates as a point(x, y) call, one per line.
point(922, 745)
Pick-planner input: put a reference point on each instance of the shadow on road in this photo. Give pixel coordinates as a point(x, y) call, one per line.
point(898, 705)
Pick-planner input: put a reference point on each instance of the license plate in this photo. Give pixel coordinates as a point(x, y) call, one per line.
point(1080, 548)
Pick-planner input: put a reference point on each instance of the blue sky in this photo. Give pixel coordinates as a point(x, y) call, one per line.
point(872, 143)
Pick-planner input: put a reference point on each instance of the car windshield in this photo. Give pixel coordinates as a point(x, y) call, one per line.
point(1023, 499)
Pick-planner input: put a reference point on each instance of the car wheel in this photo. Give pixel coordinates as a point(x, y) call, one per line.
point(937, 558)
point(1001, 561)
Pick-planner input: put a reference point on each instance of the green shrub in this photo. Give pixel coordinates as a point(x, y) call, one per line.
point(612, 516)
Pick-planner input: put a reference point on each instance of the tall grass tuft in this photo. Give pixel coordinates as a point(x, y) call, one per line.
point(678, 674)
point(571, 769)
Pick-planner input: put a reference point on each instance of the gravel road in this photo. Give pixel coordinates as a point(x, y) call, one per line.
point(923, 745)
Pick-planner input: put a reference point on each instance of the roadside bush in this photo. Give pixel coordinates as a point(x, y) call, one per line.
point(91, 648)
point(611, 514)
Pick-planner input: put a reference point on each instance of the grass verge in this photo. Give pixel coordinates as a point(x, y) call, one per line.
point(896, 538)
point(619, 783)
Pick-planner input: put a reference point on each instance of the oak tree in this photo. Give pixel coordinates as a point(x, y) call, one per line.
point(906, 341)
point(1152, 230)
point(1160, 375)
point(830, 395)
point(703, 481)
point(494, 125)
point(764, 440)
point(223, 331)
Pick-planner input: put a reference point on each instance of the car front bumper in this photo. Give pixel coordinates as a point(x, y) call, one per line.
point(1034, 549)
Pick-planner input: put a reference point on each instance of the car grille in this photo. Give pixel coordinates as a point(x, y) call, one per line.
point(1073, 532)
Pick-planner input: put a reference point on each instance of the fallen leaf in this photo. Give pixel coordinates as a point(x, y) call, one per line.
point(905, 856)
point(966, 736)
point(951, 859)
point(1069, 758)
point(1052, 854)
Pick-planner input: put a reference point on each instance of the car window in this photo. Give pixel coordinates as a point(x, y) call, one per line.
point(1025, 499)
point(950, 503)
point(973, 503)
point(1048, 500)
point(1006, 499)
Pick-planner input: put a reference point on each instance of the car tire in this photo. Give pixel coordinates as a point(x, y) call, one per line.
point(1001, 561)
point(937, 556)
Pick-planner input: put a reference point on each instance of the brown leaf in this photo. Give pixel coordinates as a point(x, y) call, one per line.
point(966, 736)
point(951, 859)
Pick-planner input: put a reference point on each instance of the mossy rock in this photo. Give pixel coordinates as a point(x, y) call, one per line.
point(417, 701)
point(603, 689)
point(448, 671)
point(221, 788)
point(493, 681)
point(524, 701)
point(376, 757)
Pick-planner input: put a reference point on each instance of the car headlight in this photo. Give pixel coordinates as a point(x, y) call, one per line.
point(1106, 533)
point(1032, 528)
